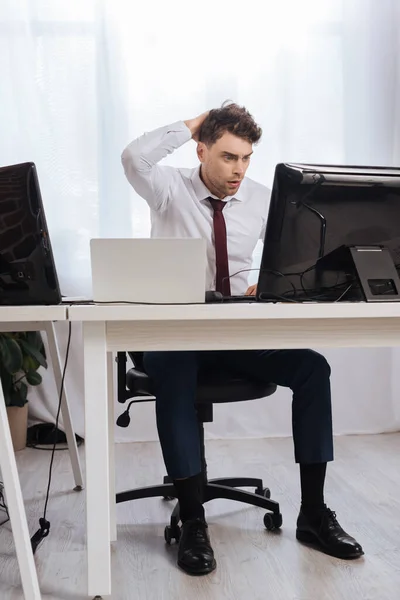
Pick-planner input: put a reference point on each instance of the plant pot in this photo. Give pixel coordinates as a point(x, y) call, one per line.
point(18, 422)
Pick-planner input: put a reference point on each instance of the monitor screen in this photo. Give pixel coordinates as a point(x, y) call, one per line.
point(27, 270)
point(316, 210)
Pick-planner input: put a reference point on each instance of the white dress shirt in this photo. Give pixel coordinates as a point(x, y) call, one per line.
point(179, 207)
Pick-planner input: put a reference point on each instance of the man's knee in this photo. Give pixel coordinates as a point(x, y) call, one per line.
point(174, 379)
point(316, 363)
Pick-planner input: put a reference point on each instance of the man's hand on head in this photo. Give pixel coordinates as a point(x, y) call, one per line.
point(195, 124)
point(252, 290)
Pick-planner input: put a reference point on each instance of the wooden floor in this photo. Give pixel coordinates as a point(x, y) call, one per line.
point(363, 487)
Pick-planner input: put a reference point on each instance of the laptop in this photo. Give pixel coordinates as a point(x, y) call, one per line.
point(148, 271)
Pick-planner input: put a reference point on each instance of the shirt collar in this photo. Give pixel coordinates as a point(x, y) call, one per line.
point(203, 193)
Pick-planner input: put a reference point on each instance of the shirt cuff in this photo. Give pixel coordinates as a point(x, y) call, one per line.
point(181, 130)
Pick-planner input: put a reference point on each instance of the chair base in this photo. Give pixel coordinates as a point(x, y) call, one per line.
point(226, 488)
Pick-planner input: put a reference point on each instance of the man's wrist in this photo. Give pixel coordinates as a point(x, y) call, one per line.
point(190, 125)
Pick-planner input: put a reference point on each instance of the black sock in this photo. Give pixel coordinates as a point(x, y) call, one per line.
point(190, 493)
point(312, 478)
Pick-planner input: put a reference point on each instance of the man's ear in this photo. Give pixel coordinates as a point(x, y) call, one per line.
point(201, 151)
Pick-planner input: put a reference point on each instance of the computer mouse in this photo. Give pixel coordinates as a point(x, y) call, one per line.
point(213, 296)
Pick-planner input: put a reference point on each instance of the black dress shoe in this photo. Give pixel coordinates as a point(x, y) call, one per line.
point(195, 555)
point(325, 533)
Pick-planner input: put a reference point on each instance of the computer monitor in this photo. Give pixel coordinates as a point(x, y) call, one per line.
point(333, 234)
point(27, 271)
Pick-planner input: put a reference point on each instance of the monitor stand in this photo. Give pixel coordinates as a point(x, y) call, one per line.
point(374, 267)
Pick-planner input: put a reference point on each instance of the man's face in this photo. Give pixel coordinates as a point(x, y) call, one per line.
point(224, 164)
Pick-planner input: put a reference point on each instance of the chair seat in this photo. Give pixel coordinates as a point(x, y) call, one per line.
point(212, 387)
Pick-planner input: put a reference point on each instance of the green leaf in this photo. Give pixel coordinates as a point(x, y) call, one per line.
point(34, 352)
point(34, 338)
point(23, 391)
point(6, 378)
point(11, 355)
point(30, 364)
point(33, 378)
point(18, 398)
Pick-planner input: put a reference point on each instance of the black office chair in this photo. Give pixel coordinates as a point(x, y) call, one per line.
point(212, 388)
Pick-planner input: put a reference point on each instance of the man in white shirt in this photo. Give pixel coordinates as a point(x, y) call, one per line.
point(217, 202)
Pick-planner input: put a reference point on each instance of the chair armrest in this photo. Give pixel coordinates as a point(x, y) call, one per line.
point(138, 383)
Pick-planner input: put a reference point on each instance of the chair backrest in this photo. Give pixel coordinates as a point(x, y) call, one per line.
point(137, 359)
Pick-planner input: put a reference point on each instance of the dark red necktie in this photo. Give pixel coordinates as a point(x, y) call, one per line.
point(221, 250)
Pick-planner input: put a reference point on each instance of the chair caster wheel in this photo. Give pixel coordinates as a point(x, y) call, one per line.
point(172, 534)
point(168, 498)
point(272, 521)
point(266, 492)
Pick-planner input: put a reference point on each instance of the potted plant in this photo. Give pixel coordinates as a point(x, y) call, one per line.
point(21, 355)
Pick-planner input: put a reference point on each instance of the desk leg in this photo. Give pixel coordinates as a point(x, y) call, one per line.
point(66, 415)
point(16, 509)
point(111, 449)
point(97, 459)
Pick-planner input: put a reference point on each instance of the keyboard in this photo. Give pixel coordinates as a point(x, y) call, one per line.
point(233, 299)
point(213, 297)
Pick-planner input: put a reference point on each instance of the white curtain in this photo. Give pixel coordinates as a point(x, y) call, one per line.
point(80, 79)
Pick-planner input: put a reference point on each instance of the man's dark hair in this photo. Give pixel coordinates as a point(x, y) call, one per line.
point(232, 118)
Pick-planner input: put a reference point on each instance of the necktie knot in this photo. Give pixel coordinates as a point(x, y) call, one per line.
point(218, 205)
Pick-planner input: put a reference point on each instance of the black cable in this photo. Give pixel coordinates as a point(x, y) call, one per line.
point(308, 291)
point(302, 277)
point(344, 293)
point(94, 303)
point(44, 524)
point(324, 293)
point(37, 447)
point(323, 228)
point(311, 293)
point(42, 437)
point(301, 274)
point(272, 271)
point(319, 179)
point(272, 296)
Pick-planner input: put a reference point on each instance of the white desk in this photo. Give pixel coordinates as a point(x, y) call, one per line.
point(30, 318)
point(111, 328)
